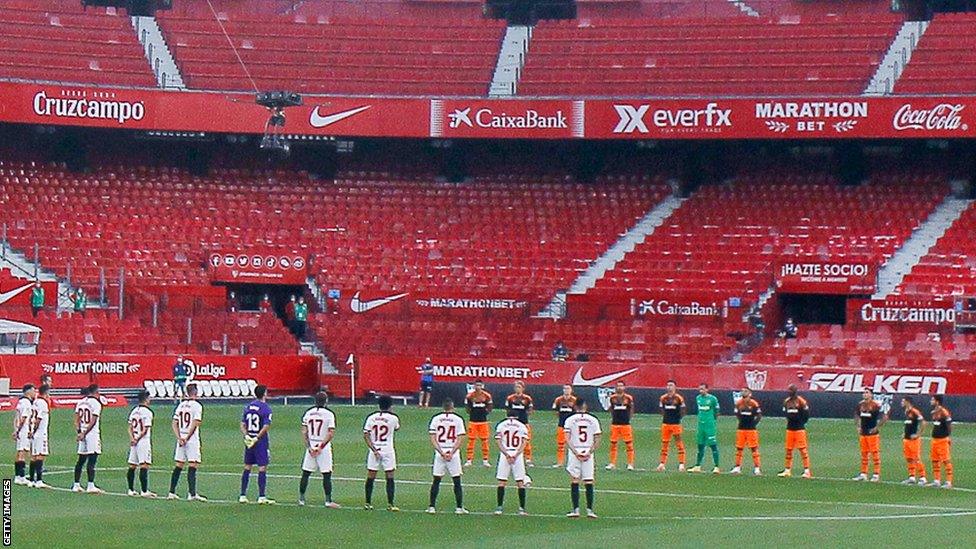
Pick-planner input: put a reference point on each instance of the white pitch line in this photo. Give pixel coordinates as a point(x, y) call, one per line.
point(878, 505)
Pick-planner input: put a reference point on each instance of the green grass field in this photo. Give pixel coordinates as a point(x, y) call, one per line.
point(636, 508)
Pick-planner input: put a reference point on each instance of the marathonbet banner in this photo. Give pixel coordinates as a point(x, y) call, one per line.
point(799, 276)
point(258, 267)
point(407, 304)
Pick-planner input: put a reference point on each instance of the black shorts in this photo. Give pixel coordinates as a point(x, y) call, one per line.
point(426, 386)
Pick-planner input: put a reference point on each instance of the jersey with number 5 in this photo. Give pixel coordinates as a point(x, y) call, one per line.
point(186, 413)
point(318, 422)
point(446, 428)
point(581, 430)
point(380, 427)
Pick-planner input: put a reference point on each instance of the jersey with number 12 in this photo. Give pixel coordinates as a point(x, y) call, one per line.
point(381, 426)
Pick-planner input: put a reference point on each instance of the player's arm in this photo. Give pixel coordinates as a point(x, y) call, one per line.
point(369, 442)
point(263, 431)
point(18, 425)
point(490, 405)
point(596, 442)
point(84, 433)
point(244, 426)
point(194, 425)
point(758, 414)
point(921, 426)
point(882, 420)
point(437, 448)
point(501, 450)
point(630, 409)
point(683, 408)
point(176, 431)
point(715, 408)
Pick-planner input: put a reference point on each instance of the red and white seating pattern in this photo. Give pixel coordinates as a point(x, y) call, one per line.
point(945, 60)
point(949, 269)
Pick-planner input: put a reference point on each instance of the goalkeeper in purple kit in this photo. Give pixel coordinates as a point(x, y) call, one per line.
point(255, 423)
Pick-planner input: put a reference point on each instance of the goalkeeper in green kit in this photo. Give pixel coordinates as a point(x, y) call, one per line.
point(707, 430)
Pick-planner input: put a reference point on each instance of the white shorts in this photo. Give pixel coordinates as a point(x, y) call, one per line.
point(141, 452)
point(452, 468)
point(515, 470)
point(91, 445)
point(189, 452)
point(386, 461)
point(23, 441)
point(582, 470)
point(39, 445)
point(321, 463)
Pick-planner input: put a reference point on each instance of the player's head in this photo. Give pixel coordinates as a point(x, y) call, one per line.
point(179, 359)
point(144, 398)
point(29, 390)
point(83, 391)
point(567, 390)
point(619, 389)
point(191, 390)
point(746, 392)
point(46, 380)
point(385, 403)
point(867, 394)
point(519, 387)
point(93, 390)
point(448, 405)
point(321, 399)
point(581, 405)
point(44, 390)
point(792, 390)
point(260, 392)
point(703, 388)
point(906, 403)
point(427, 360)
point(672, 386)
point(479, 385)
point(936, 400)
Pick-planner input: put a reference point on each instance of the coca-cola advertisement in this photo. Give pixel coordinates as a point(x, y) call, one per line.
point(942, 117)
point(800, 276)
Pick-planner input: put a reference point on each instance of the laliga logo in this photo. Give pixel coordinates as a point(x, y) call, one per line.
point(194, 370)
point(940, 117)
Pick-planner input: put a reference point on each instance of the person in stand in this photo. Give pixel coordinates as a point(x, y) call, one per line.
point(301, 318)
point(290, 312)
point(37, 298)
point(789, 330)
point(232, 302)
point(180, 374)
point(265, 305)
point(560, 353)
point(79, 301)
point(426, 382)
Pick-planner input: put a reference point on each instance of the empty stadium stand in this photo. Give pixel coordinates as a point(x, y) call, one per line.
point(945, 60)
point(949, 269)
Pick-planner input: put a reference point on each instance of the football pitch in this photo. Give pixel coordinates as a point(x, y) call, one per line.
point(636, 508)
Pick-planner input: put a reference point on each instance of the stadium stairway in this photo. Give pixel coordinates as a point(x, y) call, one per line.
point(511, 59)
point(158, 53)
point(918, 244)
point(744, 7)
point(654, 218)
point(21, 266)
point(896, 58)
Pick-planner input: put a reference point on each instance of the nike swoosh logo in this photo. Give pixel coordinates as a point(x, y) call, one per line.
point(319, 121)
point(358, 306)
point(581, 381)
point(10, 294)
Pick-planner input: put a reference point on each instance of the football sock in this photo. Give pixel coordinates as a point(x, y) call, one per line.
point(390, 490)
point(755, 457)
point(715, 455)
point(327, 485)
point(936, 471)
point(500, 495)
point(435, 487)
point(130, 478)
point(521, 494)
point(738, 456)
point(369, 490)
point(30, 470)
point(681, 452)
point(92, 460)
point(191, 479)
point(144, 479)
point(79, 466)
point(701, 455)
point(589, 496)
point(39, 471)
point(303, 484)
point(19, 468)
point(613, 453)
point(806, 458)
point(175, 479)
point(948, 471)
point(630, 453)
point(262, 483)
point(574, 495)
point(245, 479)
point(458, 492)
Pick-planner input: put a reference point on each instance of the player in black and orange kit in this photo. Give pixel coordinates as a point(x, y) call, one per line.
point(520, 405)
point(564, 406)
point(797, 414)
point(941, 443)
point(621, 412)
point(673, 408)
point(748, 412)
point(479, 404)
point(912, 442)
point(870, 419)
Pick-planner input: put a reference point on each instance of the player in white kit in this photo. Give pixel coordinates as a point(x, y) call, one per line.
point(88, 414)
point(582, 437)
point(140, 446)
point(186, 426)
point(446, 435)
point(22, 433)
point(39, 449)
point(511, 435)
point(378, 432)
point(318, 428)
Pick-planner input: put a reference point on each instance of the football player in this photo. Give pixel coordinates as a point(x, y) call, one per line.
point(22, 433)
point(446, 432)
point(318, 428)
point(255, 424)
point(512, 437)
point(187, 419)
point(583, 438)
point(39, 448)
point(378, 432)
point(88, 413)
point(140, 446)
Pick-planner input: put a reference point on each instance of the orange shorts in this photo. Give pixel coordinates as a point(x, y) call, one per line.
point(622, 432)
point(941, 449)
point(796, 440)
point(871, 443)
point(669, 431)
point(912, 447)
point(560, 435)
point(478, 431)
point(747, 439)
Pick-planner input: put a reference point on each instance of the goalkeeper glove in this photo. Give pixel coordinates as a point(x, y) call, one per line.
point(250, 441)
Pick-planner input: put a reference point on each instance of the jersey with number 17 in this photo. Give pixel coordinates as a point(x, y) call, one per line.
point(381, 427)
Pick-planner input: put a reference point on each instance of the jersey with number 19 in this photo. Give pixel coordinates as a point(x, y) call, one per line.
point(380, 427)
point(186, 413)
point(89, 412)
point(446, 428)
point(581, 430)
point(317, 423)
point(141, 418)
